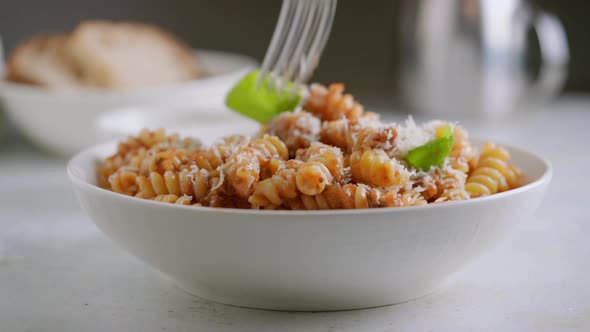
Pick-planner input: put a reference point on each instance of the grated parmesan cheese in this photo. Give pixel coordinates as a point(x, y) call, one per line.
point(308, 128)
point(221, 179)
point(410, 136)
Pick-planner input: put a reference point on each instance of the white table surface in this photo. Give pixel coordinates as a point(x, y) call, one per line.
point(59, 273)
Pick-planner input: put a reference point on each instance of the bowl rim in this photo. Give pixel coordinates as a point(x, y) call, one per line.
point(88, 152)
point(247, 63)
point(126, 120)
point(219, 112)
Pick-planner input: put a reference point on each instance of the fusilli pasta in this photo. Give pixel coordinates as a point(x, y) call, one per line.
point(341, 133)
point(272, 192)
point(492, 173)
point(313, 177)
point(298, 130)
point(374, 167)
point(349, 196)
point(331, 104)
point(174, 199)
point(402, 198)
point(463, 156)
point(331, 155)
point(218, 153)
point(242, 169)
point(336, 133)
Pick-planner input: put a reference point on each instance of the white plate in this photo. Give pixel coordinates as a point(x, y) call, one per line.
point(64, 121)
point(308, 260)
point(206, 123)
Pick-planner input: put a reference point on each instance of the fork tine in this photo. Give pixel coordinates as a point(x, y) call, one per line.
point(300, 35)
point(289, 45)
point(299, 60)
point(311, 60)
point(315, 28)
point(331, 13)
point(309, 17)
point(277, 40)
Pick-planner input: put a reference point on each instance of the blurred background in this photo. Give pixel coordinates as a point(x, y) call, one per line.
point(377, 48)
point(395, 56)
point(363, 50)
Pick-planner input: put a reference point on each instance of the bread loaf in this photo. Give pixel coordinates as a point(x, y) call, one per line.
point(41, 60)
point(129, 55)
point(101, 54)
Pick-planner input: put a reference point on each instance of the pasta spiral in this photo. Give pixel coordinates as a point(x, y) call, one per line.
point(444, 184)
point(374, 167)
point(453, 195)
point(329, 156)
point(370, 138)
point(147, 139)
point(272, 192)
point(147, 152)
point(349, 196)
point(451, 186)
point(220, 199)
point(341, 133)
point(242, 169)
point(271, 167)
point(297, 129)
point(462, 156)
point(174, 199)
point(336, 133)
point(492, 173)
point(269, 147)
point(123, 182)
point(160, 162)
point(194, 184)
point(401, 199)
point(313, 177)
point(331, 104)
point(218, 153)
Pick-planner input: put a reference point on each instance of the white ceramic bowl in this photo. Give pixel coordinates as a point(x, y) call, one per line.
point(63, 121)
point(206, 123)
point(308, 260)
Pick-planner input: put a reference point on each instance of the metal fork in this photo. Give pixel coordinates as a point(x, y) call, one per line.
point(300, 35)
